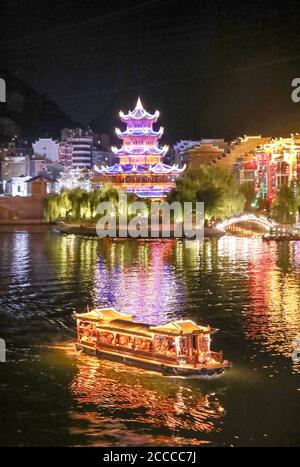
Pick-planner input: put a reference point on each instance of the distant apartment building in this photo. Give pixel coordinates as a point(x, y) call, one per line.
point(16, 186)
point(15, 172)
point(47, 148)
point(17, 149)
point(9, 149)
point(65, 154)
point(81, 142)
point(37, 165)
point(18, 165)
point(12, 166)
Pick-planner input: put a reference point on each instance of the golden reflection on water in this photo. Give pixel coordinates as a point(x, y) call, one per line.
point(106, 392)
point(274, 317)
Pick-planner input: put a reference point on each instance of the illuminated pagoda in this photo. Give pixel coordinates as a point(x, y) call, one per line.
point(140, 169)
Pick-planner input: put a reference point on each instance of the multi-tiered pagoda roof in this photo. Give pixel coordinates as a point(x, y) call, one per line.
point(131, 132)
point(159, 169)
point(141, 153)
point(139, 113)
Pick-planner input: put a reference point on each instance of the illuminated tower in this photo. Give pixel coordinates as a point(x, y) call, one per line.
point(140, 140)
point(140, 169)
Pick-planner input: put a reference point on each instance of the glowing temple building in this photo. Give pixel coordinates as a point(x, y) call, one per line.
point(140, 169)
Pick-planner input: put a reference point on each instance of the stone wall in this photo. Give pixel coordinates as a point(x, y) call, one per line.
point(21, 208)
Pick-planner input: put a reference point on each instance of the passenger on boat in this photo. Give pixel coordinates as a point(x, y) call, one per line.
point(183, 348)
point(171, 352)
point(202, 358)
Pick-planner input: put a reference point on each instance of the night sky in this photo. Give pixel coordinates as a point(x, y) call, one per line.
point(213, 68)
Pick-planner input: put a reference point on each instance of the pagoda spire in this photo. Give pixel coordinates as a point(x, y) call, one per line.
point(138, 114)
point(139, 105)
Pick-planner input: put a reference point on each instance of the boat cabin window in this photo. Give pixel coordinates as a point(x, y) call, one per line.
point(87, 329)
point(87, 332)
point(183, 347)
point(123, 340)
point(106, 338)
point(165, 346)
point(143, 345)
point(205, 343)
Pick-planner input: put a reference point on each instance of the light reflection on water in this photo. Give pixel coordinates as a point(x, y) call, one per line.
point(140, 403)
point(247, 288)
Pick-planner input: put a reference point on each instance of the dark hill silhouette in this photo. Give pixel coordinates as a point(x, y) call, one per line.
point(29, 113)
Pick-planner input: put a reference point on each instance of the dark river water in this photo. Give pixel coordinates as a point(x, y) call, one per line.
point(50, 395)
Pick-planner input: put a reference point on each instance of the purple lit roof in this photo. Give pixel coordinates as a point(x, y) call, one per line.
point(139, 132)
point(159, 169)
point(141, 151)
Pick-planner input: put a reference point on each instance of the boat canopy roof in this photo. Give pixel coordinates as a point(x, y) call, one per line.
point(111, 320)
point(104, 314)
point(129, 327)
point(181, 327)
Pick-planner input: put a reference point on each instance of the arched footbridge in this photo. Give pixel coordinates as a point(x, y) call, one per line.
point(247, 219)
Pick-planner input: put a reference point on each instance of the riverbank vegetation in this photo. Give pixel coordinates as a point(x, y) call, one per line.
point(215, 187)
point(77, 204)
point(286, 205)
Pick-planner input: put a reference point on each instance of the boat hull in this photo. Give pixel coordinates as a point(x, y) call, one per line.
point(151, 365)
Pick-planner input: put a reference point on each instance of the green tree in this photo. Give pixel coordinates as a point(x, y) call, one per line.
point(75, 197)
point(214, 186)
point(212, 198)
point(51, 207)
point(285, 205)
point(64, 204)
point(112, 195)
point(248, 190)
point(95, 197)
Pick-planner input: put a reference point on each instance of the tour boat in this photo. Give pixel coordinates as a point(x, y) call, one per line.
point(180, 348)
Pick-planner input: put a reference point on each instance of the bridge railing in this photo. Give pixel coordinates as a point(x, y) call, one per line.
point(246, 218)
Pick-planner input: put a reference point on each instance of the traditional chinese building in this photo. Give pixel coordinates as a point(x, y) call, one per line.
point(140, 169)
point(278, 163)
